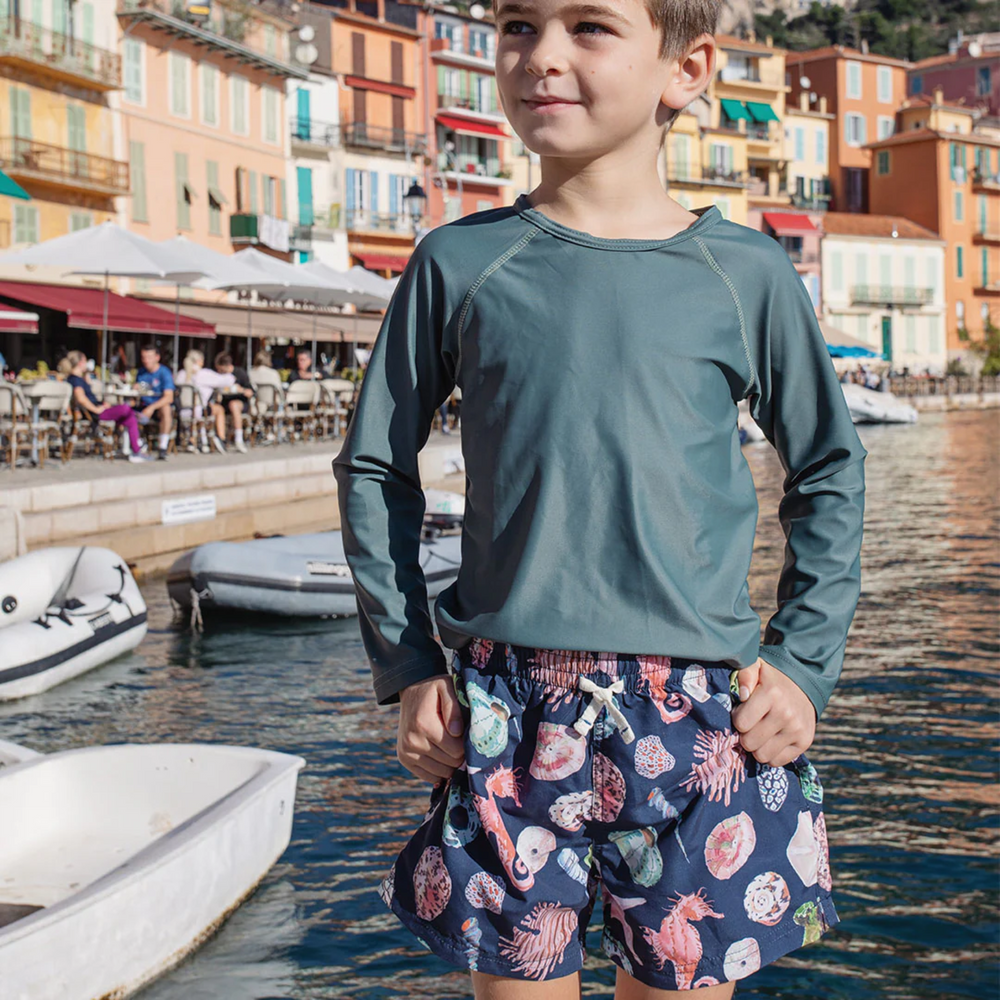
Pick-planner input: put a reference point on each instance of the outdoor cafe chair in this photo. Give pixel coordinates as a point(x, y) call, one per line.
point(15, 423)
point(301, 400)
point(51, 421)
point(190, 415)
point(337, 394)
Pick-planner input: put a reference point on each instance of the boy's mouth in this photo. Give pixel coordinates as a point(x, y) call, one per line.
point(548, 105)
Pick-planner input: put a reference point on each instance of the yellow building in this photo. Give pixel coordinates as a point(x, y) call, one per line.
point(57, 136)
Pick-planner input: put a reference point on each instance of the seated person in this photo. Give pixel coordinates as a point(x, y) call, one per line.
point(159, 399)
point(84, 399)
point(205, 381)
point(303, 366)
point(233, 403)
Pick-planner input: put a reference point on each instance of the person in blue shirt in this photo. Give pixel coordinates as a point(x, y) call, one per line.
point(158, 401)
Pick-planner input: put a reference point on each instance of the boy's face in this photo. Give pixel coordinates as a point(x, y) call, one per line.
point(601, 58)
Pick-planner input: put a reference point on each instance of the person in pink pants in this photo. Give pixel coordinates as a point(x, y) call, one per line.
point(84, 399)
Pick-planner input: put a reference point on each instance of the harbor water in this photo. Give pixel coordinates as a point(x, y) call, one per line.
point(906, 751)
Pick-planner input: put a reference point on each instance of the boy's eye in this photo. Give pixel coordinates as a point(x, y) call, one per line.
point(584, 27)
point(513, 27)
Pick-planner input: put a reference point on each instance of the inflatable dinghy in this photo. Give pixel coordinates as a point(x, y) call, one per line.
point(444, 510)
point(301, 575)
point(64, 611)
point(119, 861)
point(870, 407)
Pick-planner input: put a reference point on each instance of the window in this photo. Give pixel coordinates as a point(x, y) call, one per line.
point(854, 80)
point(215, 198)
point(183, 191)
point(916, 84)
point(959, 207)
point(239, 103)
point(209, 86)
point(254, 201)
point(270, 41)
point(886, 125)
point(885, 271)
point(269, 112)
point(60, 17)
point(982, 213)
point(983, 81)
point(984, 266)
point(960, 312)
point(137, 171)
point(861, 327)
point(932, 276)
point(884, 88)
point(910, 327)
point(855, 128)
point(357, 53)
point(800, 143)
point(451, 32)
point(135, 77)
point(484, 93)
point(821, 146)
point(861, 269)
point(76, 127)
point(357, 190)
point(883, 162)
point(934, 334)
point(305, 186)
point(957, 157)
point(837, 271)
point(484, 205)
point(87, 22)
point(481, 43)
point(909, 271)
point(20, 112)
point(721, 157)
point(959, 263)
point(80, 220)
point(25, 223)
point(180, 85)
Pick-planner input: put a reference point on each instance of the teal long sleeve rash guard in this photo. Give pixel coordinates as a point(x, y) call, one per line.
point(608, 504)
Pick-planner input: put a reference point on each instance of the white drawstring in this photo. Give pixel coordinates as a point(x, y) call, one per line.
point(602, 697)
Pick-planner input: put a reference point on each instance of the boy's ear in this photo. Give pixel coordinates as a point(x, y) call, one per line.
point(691, 73)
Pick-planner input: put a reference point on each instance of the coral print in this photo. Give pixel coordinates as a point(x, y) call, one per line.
point(481, 650)
point(722, 767)
point(502, 784)
point(766, 899)
point(677, 941)
point(539, 944)
point(609, 788)
point(729, 846)
point(571, 810)
point(431, 884)
point(485, 892)
point(559, 752)
point(651, 759)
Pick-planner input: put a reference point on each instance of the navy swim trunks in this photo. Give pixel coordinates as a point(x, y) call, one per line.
point(591, 773)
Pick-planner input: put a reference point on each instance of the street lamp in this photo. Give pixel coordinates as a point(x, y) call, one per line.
point(415, 200)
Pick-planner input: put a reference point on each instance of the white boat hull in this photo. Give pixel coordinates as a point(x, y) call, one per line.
point(64, 612)
point(136, 855)
point(870, 407)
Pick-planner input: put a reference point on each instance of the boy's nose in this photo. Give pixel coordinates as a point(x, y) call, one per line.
point(546, 56)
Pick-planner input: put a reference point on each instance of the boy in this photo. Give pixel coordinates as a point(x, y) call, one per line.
point(159, 400)
point(234, 402)
point(602, 338)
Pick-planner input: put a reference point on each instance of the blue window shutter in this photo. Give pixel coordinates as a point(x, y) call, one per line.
point(374, 200)
point(304, 124)
point(350, 190)
point(393, 195)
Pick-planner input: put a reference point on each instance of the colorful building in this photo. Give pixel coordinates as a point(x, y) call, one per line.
point(958, 197)
point(862, 91)
point(807, 153)
point(883, 284)
point(203, 110)
point(970, 74)
point(61, 167)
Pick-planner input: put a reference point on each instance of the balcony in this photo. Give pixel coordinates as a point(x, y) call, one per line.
point(797, 256)
point(753, 76)
point(56, 166)
point(470, 103)
point(985, 181)
point(442, 51)
point(316, 225)
point(695, 173)
point(250, 229)
point(311, 133)
point(986, 235)
point(362, 135)
point(361, 220)
point(891, 295)
point(24, 45)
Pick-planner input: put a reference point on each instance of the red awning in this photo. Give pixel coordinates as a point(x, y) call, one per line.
point(382, 262)
point(14, 321)
point(84, 309)
point(469, 126)
point(789, 224)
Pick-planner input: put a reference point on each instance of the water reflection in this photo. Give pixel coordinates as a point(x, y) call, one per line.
point(906, 750)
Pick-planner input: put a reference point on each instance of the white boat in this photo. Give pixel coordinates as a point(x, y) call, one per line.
point(124, 859)
point(299, 575)
point(64, 611)
point(870, 407)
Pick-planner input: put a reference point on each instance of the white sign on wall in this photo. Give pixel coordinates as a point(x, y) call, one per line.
point(181, 510)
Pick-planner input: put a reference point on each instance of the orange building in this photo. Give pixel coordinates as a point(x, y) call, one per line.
point(958, 197)
point(863, 91)
point(204, 118)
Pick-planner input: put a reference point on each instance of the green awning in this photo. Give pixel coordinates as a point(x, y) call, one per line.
point(762, 112)
point(734, 110)
point(11, 188)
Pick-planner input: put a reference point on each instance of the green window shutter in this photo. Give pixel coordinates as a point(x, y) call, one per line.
point(284, 199)
point(214, 210)
point(984, 264)
point(88, 23)
point(463, 84)
point(265, 191)
point(59, 17)
point(181, 174)
point(959, 263)
point(441, 79)
point(837, 269)
point(137, 166)
point(76, 118)
point(253, 193)
point(20, 112)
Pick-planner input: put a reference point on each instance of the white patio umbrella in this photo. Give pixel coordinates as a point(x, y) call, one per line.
point(112, 251)
point(348, 289)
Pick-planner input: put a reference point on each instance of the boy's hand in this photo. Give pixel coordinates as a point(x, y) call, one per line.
point(775, 717)
point(429, 743)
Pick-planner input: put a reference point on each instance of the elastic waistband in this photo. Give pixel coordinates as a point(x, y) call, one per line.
point(561, 669)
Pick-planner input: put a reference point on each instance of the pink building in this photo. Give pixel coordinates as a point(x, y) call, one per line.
point(970, 75)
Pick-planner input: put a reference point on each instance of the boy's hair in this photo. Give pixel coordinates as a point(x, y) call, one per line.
point(149, 347)
point(223, 359)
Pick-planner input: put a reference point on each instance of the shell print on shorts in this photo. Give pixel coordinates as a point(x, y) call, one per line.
point(729, 845)
point(695, 683)
point(387, 886)
point(810, 917)
point(539, 943)
point(559, 752)
point(772, 783)
point(722, 767)
point(803, 851)
point(811, 786)
point(609, 790)
point(569, 811)
point(823, 876)
point(616, 907)
point(431, 884)
point(639, 851)
point(742, 959)
point(766, 899)
point(677, 941)
point(488, 728)
point(485, 892)
point(534, 845)
point(473, 934)
point(461, 821)
point(651, 758)
point(572, 866)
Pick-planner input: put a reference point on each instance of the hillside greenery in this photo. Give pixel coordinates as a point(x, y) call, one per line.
point(905, 29)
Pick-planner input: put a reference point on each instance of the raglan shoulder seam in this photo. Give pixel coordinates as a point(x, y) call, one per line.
point(714, 264)
point(499, 262)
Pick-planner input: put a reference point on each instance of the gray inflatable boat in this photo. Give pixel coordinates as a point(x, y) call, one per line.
point(302, 575)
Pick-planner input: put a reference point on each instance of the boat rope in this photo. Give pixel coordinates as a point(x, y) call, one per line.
point(197, 622)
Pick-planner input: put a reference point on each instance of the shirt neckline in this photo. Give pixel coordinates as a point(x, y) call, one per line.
point(708, 216)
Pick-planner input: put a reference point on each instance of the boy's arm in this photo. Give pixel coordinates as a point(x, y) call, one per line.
point(381, 502)
point(799, 405)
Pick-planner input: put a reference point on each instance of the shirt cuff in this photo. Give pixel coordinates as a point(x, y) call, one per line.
point(390, 681)
point(779, 658)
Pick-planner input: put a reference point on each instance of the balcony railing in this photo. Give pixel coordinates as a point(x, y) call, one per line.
point(470, 102)
point(983, 179)
point(985, 234)
point(695, 173)
point(802, 256)
point(896, 295)
point(38, 161)
point(24, 42)
point(315, 133)
point(362, 220)
point(362, 135)
point(758, 131)
point(750, 74)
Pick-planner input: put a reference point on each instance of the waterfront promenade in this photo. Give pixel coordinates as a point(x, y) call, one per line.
point(151, 514)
